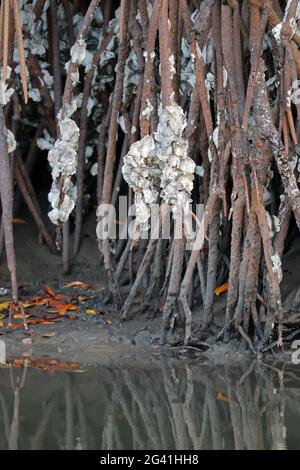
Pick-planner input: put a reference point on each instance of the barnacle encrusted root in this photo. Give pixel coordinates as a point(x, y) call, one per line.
point(62, 158)
point(161, 166)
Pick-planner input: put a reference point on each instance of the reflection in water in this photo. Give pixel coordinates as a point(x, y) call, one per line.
point(171, 406)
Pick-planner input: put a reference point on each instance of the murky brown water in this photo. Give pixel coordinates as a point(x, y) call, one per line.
point(173, 405)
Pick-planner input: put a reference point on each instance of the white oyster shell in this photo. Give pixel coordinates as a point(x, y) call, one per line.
point(78, 51)
point(11, 141)
point(161, 165)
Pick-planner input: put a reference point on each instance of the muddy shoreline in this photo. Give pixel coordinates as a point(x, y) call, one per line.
point(101, 337)
point(93, 342)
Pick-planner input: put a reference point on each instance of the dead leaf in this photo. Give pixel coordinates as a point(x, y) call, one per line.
point(49, 335)
point(18, 221)
point(1, 323)
point(5, 305)
point(29, 304)
point(48, 319)
point(90, 312)
point(50, 291)
point(62, 308)
point(223, 288)
point(79, 285)
point(20, 315)
point(21, 325)
point(42, 321)
point(108, 322)
point(223, 397)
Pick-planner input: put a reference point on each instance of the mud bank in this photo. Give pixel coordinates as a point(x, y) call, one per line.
point(101, 337)
point(95, 342)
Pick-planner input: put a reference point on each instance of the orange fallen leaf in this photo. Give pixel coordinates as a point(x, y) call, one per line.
point(79, 285)
point(50, 291)
point(49, 335)
point(62, 309)
point(5, 305)
point(223, 288)
point(18, 221)
point(21, 325)
point(223, 397)
point(109, 322)
point(34, 301)
point(20, 315)
point(41, 321)
point(29, 304)
point(90, 312)
point(57, 302)
point(1, 322)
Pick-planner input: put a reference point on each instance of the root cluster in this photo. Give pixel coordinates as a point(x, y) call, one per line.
point(194, 103)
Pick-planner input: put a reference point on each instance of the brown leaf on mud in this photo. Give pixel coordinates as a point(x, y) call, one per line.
point(90, 312)
point(223, 397)
point(31, 303)
point(79, 285)
point(21, 325)
point(18, 221)
point(34, 302)
point(41, 321)
point(45, 364)
point(223, 288)
point(5, 305)
point(49, 335)
point(50, 291)
point(61, 308)
point(20, 315)
point(60, 303)
point(54, 295)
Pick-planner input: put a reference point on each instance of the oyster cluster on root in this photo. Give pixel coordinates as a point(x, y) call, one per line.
point(5, 91)
point(63, 156)
point(159, 166)
point(5, 95)
point(142, 172)
point(63, 161)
